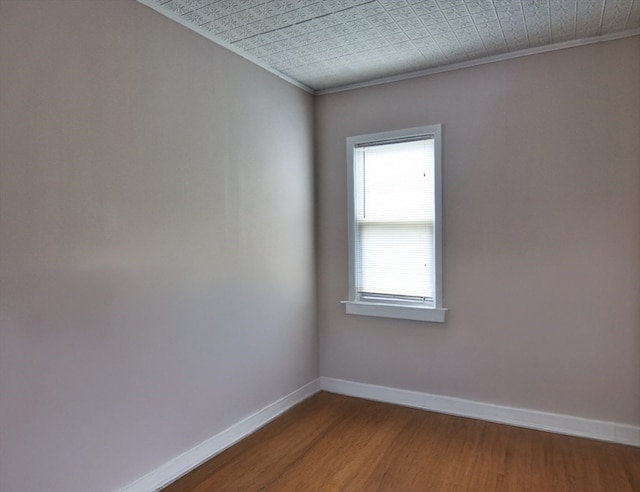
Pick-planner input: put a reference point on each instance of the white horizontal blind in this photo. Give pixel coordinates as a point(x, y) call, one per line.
point(394, 212)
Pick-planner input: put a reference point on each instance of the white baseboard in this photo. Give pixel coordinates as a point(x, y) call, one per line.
point(520, 417)
point(187, 461)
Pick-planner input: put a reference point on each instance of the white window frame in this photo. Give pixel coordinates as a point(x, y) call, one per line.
point(397, 308)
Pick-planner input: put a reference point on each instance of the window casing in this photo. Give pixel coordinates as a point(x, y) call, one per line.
point(395, 252)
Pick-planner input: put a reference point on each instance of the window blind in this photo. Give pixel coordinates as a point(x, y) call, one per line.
point(395, 219)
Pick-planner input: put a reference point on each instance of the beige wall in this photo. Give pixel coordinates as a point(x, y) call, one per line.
point(156, 242)
point(541, 186)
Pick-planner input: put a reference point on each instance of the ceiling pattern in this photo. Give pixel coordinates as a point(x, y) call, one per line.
point(325, 44)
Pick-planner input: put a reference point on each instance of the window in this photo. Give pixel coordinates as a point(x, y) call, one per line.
point(395, 264)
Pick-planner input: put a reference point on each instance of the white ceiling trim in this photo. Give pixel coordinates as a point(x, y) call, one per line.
point(224, 44)
point(481, 61)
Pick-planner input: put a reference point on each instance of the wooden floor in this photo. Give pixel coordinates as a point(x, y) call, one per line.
point(337, 443)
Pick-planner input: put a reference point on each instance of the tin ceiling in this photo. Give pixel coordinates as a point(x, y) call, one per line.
point(327, 44)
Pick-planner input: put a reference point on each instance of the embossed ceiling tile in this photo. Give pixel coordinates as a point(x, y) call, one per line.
point(484, 16)
point(320, 36)
point(270, 36)
point(494, 45)
point(491, 28)
point(562, 6)
point(359, 47)
point(333, 43)
point(338, 30)
point(455, 12)
point(196, 4)
point(380, 19)
point(405, 46)
point(423, 43)
point(539, 37)
point(448, 38)
point(325, 21)
point(274, 8)
point(434, 56)
point(435, 17)
point(508, 9)
point(402, 13)
point(334, 5)
point(460, 22)
point(225, 8)
point(177, 7)
point(518, 44)
point(378, 43)
point(535, 7)
point(563, 21)
point(513, 31)
point(472, 46)
point(393, 4)
point(438, 29)
point(314, 10)
point(240, 18)
point(588, 17)
point(208, 11)
point(415, 60)
point(495, 48)
point(515, 23)
point(387, 30)
point(287, 44)
point(409, 24)
point(221, 25)
point(256, 14)
point(537, 22)
point(302, 40)
point(467, 31)
point(474, 6)
point(424, 8)
point(233, 35)
point(352, 38)
point(293, 30)
point(372, 8)
point(295, 16)
point(196, 18)
point(347, 15)
point(313, 25)
point(274, 22)
point(417, 33)
point(615, 14)
point(358, 25)
point(396, 38)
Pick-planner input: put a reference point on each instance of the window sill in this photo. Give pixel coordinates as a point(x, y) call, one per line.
point(382, 310)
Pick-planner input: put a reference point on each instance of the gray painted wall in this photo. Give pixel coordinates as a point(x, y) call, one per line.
point(541, 188)
point(156, 242)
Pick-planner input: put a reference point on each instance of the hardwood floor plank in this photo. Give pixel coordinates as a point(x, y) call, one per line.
point(337, 443)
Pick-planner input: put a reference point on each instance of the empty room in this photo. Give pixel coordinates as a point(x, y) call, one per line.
point(319, 245)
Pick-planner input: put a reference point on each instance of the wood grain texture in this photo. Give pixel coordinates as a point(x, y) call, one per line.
point(337, 443)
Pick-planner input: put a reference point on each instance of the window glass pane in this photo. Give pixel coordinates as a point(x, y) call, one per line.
point(396, 259)
point(394, 218)
point(396, 181)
